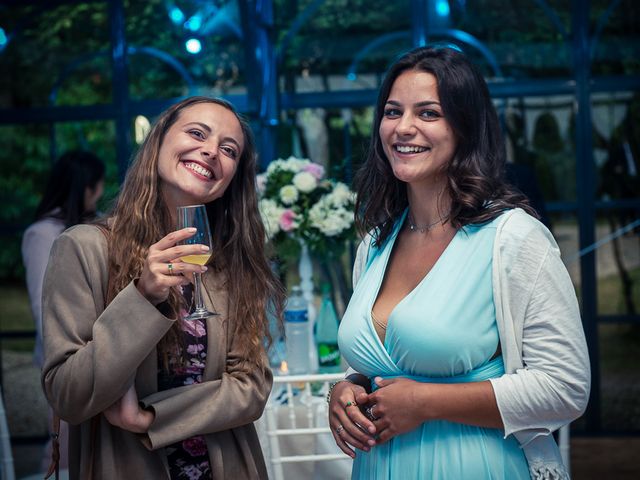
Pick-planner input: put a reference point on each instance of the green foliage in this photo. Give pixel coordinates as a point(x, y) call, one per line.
point(49, 40)
point(329, 41)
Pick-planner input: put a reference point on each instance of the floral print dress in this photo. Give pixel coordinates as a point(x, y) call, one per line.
point(188, 459)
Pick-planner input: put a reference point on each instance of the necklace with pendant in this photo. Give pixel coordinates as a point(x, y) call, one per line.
point(426, 228)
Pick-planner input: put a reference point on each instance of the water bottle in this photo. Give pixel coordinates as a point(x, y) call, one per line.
point(327, 334)
point(296, 325)
point(277, 352)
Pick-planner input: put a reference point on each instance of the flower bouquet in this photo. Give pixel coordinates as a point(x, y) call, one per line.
point(299, 205)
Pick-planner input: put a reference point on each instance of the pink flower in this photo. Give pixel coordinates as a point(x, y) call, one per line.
point(194, 348)
point(314, 169)
point(191, 472)
point(195, 328)
point(288, 220)
point(196, 365)
point(195, 446)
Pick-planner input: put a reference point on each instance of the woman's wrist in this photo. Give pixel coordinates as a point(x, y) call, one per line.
point(425, 404)
point(360, 379)
point(333, 385)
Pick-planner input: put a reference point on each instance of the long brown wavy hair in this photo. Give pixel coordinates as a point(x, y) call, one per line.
point(140, 218)
point(475, 179)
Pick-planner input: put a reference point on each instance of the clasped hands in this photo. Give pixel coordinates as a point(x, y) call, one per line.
point(363, 420)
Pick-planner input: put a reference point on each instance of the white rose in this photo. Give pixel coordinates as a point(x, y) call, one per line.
point(270, 213)
point(288, 194)
point(273, 166)
point(329, 220)
point(294, 164)
point(341, 194)
point(305, 182)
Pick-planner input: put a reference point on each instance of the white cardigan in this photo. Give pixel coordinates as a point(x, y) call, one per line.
point(547, 376)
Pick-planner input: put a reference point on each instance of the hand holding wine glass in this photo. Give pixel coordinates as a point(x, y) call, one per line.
point(196, 216)
point(163, 269)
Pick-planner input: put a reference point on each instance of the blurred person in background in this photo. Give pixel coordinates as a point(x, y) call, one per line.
point(74, 186)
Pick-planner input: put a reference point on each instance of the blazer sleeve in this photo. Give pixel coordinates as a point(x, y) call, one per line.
point(91, 353)
point(235, 399)
point(552, 387)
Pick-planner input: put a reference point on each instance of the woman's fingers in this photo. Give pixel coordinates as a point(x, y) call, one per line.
point(342, 445)
point(178, 268)
point(365, 426)
point(354, 434)
point(163, 268)
point(346, 420)
point(347, 437)
point(354, 424)
point(385, 431)
point(172, 238)
point(179, 251)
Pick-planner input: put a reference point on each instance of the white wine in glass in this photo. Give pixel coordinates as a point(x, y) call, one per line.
point(196, 216)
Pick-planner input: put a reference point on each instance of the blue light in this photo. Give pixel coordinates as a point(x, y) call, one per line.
point(193, 46)
point(194, 23)
point(351, 76)
point(176, 15)
point(3, 38)
point(442, 8)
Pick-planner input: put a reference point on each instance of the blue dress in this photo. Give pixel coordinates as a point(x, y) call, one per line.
point(443, 331)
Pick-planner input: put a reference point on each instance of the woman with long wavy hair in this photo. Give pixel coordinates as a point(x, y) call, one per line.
point(148, 393)
point(463, 329)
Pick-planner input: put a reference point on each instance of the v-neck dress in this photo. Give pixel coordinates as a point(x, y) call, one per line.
point(443, 331)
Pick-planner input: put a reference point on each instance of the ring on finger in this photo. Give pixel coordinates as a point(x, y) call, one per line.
point(339, 429)
point(351, 404)
point(170, 267)
point(369, 413)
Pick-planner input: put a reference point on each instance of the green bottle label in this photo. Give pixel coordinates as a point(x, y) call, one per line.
point(328, 355)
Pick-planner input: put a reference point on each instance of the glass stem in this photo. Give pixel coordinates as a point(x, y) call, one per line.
point(198, 292)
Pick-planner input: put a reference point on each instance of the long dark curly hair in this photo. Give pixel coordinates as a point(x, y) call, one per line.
point(475, 179)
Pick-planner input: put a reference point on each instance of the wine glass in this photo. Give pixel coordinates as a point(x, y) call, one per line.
point(196, 216)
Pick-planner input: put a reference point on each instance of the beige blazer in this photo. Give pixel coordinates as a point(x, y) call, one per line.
point(93, 354)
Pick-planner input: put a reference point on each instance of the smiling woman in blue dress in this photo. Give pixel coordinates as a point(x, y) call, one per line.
point(463, 329)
